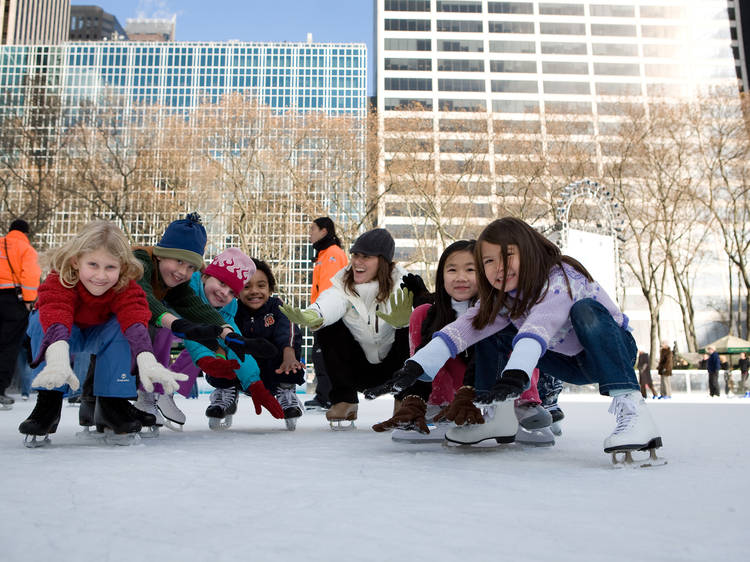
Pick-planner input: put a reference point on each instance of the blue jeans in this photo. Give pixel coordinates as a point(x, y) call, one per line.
point(112, 374)
point(608, 355)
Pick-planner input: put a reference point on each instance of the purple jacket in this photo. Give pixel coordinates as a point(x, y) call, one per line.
point(548, 321)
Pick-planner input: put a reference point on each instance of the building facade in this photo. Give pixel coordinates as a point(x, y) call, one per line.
point(151, 29)
point(92, 23)
point(34, 21)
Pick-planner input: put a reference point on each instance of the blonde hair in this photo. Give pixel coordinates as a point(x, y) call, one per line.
point(96, 235)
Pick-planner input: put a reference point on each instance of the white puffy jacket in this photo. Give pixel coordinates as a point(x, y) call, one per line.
point(358, 313)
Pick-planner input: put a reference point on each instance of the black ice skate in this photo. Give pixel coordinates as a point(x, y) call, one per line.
point(6, 402)
point(86, 418)
point(149, 423)
point(113, 418)
point(43, 419)
point(286, 394)
point(223, 407)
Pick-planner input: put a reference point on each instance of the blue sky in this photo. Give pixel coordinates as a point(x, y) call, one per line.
point(349, 21)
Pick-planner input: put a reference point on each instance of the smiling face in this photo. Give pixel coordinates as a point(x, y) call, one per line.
point(98, 271)
point(175, 272)
point(492, 264)
point(217, 292)
point(256, 292)
point(460, 276)
point(364, 268)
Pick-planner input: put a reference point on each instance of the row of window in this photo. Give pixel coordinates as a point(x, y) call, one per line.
point(545, 8)
point(524, 106)
point(546, 28)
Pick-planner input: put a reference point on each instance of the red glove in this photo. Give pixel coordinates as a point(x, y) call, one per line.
point(261, 397)
point(218, 367)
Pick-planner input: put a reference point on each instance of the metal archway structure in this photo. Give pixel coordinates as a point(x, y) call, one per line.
point(610, 222)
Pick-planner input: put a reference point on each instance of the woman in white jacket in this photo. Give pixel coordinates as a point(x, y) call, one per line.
point(361, 321)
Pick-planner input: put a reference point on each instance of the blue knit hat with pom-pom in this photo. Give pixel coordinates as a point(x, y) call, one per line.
point(185, 240)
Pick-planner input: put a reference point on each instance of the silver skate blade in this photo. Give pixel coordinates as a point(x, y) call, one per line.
point(120, 439)
point(172, 425)
point(625, 459)
point(336, 425)
point(149, 432)
point(291, 423)
point(86, 434)
point(34, 443)
point(220, 424)
point(484, 446)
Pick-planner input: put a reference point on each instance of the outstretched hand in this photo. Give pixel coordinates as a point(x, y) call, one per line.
point(259, 348)
point(409, 416)
point(401, 302)
point(401, 379)
point(57, 371)
point(510, 385)
point(462, 410)
point(204, 334)
point(307, 318)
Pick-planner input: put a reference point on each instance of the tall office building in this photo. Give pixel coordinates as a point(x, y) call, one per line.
point(151, 29)
point(739, 21)
point(92, 23)
point(34, 21)
point(481, 83)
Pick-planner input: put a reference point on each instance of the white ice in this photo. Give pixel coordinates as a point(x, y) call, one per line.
point(259, 492)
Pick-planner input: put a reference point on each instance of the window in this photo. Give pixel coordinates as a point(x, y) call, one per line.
point(407, 25)
point(515, 86)
point(461, 105)
point(408, 104)
point(551, 87)
point(561, 9)
point(511, 27)
point(565, 67)
point(463, 125)
point(515, 106)
point(666, 12)
point(661, 31)
point(463, 146)
point(464, 46)
point(605, 11)
point(460, 85)
point(408, 64)
point(663, 70)
point(567, 127)
point(468, 6)
point(516, 126)
point(615, 49)
point(454, 65)
point(618, 89)
point(513, 66)
point(666, 51)
point(510, 8)
point(512, 47)
point(408, 45)
point(407, 5)
point(614, 69)
point(563, 28)
point(408, 84)
point(571, 107)
point(613, 29)
point(459, 26)
point(555, 48)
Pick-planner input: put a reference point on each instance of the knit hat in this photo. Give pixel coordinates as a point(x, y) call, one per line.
point(185, 240)
point(20, 225)
point(233, 268)
point(376, 242)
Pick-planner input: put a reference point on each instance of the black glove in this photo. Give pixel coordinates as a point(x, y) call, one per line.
point(259, 348)
point(204, 334)
point(415, 284)
point(401, 379)
point(511, 384)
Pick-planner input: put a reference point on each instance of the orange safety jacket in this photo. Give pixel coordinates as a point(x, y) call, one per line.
point(327, 264)
point(22, 258)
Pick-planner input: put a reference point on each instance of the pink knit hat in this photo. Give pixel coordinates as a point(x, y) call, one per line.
point(231, 267)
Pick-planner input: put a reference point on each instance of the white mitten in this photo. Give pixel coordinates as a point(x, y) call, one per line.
point(151, 371)
point(57, 371)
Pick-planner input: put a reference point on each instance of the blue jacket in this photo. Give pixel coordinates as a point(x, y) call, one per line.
point(249, 372)
point(713, 365)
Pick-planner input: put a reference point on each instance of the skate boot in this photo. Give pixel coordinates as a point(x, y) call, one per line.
point(557, 416)
point(542, 437)
point(437, 429)
point(113, 418)
point(174, 416)
point(43, 419)
point(340, 412)
point(223, 407)
point(635, 430)
point(146, 403)
point(86, 418)
point(500, 424)
point(317, 404)
point(286, 395)
point(533, 416)
point(6, 402)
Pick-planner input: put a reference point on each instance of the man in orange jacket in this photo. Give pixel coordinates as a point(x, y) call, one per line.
point(19, 281)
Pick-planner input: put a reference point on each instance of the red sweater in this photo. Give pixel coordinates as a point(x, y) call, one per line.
point(59, 305)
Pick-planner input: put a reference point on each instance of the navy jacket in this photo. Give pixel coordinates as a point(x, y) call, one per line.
point(714, 363)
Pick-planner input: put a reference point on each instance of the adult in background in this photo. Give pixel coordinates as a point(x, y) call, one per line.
point(19, 281)
point(743, 365)
point(665, 370)
point(329, 259)
point(713, 365)
point(644, 374)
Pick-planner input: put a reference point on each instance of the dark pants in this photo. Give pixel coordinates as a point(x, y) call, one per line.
point(348, 367)
point(607, 358)
point(13, 320)
point(322, 382)
point(271, 379)
point(713, 383)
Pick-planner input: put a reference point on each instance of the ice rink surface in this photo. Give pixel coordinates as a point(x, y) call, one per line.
point(257, 492)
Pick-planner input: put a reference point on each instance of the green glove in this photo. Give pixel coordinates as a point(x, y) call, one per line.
point(308, 318)
point(401, 305)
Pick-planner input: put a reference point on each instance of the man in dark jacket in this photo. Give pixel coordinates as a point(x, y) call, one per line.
point(743, 365)
point(713, 365)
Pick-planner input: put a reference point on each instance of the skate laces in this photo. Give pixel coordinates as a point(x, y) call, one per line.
point(287, 397)
point(224, 397)
point(624, 410)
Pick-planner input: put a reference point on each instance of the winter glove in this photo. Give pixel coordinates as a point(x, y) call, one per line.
point(511, 384)
point(150, 371)
point(307, 318)
point(462, 410)
point(57, 371)
point(261, 397)
point(409, 416)
point(401, 306)
point(218, 367)
point(259, 348)
point(416, 285)
point(204, 334)
point(401, 379)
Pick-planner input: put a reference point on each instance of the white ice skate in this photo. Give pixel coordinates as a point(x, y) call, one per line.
point(342, 412)
point(286, 394)
point(635, 430)
point(533, 416)
point(146, 402)
point(223, 407)
point(174, 416)
point(500, 424)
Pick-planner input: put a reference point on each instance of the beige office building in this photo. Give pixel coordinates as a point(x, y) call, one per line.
point(34, 22)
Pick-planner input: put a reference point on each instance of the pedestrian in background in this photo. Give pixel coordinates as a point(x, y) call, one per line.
point(664, 369)
point(743, 365)
point(713, 364)
point(644, 374)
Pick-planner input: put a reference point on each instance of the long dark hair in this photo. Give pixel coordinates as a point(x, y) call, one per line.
point(441, 312)
point(384, 277)
point(537, 257)
point(330, 238)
